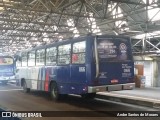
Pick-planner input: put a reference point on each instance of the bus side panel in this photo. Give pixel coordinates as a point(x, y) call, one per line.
point(45, 76)
point(41, 78)
point(77, 79)
point(63, 76)
point(23, 73)
point(71, 79)
point(33, 77)
point(81, 73)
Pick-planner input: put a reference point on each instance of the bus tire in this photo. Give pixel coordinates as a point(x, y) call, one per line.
point(88, 95)
point(25, 89)
point(54, 92)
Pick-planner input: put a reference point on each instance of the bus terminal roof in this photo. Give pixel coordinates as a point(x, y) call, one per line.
point(28, 23)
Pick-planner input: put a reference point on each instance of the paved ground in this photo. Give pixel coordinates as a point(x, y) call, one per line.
point(140, 96)
point(9, 87)
point(13, 98)
point(147, 92)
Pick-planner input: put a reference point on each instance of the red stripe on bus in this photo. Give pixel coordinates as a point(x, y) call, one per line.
point(46, 81)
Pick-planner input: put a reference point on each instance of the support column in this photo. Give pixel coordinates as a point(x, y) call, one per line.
point(143, 45)
point(155, 75)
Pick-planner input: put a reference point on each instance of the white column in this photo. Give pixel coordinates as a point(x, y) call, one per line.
point(155, 73)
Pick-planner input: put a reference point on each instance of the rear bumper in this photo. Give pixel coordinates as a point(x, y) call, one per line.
point(93, 89)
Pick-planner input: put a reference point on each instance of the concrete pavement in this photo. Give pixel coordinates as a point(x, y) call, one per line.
point(148, 96)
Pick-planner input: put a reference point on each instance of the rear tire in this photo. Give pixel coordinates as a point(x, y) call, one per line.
point(54, 92)
point(25, 89)
point(88, 95)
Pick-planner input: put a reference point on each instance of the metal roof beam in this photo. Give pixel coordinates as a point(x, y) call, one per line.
point(129, 2)
point(69, 14)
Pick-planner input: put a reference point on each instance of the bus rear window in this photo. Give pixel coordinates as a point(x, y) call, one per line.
point(117, 49)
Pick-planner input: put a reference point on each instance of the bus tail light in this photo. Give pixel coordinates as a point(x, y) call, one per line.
point(114, 81)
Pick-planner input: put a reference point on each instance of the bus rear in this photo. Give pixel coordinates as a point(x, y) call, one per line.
point(112, 65)
point(6, 69)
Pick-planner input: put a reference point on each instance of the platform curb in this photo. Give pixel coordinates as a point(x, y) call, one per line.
point(130, 101)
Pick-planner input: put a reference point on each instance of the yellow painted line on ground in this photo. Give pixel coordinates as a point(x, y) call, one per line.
point(131, 97)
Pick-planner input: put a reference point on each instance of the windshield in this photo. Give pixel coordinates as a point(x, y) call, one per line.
point(6, 61)
point(114, 49)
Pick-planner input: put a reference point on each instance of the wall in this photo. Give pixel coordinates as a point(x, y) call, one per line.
point(158, 81)
point(151, 69)
point(148, 70)
point(147, 64)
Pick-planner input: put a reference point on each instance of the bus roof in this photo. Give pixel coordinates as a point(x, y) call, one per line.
point(56, 43)
point(71, 40)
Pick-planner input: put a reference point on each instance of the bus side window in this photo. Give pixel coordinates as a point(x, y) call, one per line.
point(24, 59)
point(40, 57)
point(51, 56)
point(64, 52)
point(78, 55)
point(31, 58)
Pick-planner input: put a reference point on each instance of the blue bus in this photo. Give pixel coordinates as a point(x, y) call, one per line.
point(83, 66)
point(7, 69)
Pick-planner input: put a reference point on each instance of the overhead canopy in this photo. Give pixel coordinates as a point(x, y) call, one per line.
point(27, 23)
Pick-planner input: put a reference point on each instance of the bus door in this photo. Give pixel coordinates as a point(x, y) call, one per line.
point(114, 64)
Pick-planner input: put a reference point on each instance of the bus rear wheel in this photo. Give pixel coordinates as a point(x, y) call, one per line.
point(54, 92)
point(88, 95)
point(25, 89)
